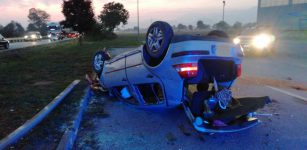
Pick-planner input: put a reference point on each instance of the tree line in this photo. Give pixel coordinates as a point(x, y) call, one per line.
point(79, 15)
point(237, 27)
point(37, 22)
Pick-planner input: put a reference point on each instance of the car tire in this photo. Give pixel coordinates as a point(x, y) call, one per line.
point(158, 38)
point(7, 46)
point(218, 33)
point(98, 61)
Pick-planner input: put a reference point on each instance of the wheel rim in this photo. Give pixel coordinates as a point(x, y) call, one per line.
point(98, 62)
point(155, 39)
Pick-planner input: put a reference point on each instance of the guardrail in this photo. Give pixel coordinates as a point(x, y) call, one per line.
point(30, 124)
point(70, 135)
point(20, 39)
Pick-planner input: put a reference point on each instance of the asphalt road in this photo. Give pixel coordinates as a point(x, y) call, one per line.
point(119, 126)
point(110, 124)
point(19, 45)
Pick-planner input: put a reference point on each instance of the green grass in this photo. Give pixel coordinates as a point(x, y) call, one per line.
point(30, 78)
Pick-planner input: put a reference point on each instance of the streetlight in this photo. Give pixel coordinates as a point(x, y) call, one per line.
point(138, 17)
point(224, 3)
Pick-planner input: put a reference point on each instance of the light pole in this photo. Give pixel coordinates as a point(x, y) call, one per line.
point(138, 17)
point(224, 3)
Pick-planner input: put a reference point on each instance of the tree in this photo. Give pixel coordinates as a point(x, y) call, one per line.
point(237, 27)
point(201, 26)
point(222, 25)
point(249, 25)
point(13, 29)
point(181, 27)
point(191, 27)
point(112, 15)
point(38, 20)
point(79, 15)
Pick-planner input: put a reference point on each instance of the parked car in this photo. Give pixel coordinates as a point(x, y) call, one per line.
point(256, 41)
point(73, 34)
point(33, 36)
point(4, 43)
point(196, 72)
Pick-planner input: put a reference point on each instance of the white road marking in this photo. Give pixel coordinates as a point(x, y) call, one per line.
point(288, 93)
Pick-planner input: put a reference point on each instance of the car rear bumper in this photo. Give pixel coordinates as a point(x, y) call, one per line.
point(234, 119)
point(236, 127)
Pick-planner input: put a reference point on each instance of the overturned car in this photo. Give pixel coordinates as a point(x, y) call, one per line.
point(194, 71)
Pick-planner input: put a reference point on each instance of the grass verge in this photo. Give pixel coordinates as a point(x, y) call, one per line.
point(31, 77)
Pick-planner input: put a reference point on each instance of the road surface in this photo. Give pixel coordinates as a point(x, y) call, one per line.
point(111, 124)
point(119, 126)
point(19, 45)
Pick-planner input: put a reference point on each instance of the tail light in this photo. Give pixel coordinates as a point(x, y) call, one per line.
point(239, 70)
point(188, 70)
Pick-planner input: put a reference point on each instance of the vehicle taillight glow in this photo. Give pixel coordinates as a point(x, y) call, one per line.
point(239, 70)
point(188, 70)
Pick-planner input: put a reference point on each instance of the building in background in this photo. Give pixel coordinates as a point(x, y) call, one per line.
point(283, 14)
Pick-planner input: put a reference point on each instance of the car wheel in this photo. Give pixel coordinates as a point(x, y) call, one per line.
point(98, 62)
point(158, 38)
point(7, 46)
point(218, 33)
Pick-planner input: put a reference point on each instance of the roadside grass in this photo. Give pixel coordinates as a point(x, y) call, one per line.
point(31, 77)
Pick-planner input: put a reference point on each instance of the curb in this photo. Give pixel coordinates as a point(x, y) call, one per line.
point(70, 135)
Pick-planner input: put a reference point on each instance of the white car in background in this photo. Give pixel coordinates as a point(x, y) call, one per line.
point(4, 43)
point(33, 36)
point(257, 41)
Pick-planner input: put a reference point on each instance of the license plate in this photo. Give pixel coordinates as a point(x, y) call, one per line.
point(224, 50)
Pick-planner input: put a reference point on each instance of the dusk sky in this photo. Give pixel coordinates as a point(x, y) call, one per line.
point(173, 11)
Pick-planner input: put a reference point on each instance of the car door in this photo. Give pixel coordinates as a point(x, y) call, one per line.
point(114, 73)
point(146, 85)
point(137, 73)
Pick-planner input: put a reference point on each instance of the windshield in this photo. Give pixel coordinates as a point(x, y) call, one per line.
point(53, 28)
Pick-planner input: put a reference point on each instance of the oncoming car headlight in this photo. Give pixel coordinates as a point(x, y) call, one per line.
point(236, 41)
point(33, 36)
point(262, 41)
point(26, 37)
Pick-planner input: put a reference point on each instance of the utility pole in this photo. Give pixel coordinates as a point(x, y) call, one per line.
point(224, 3)
point(138, 20)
